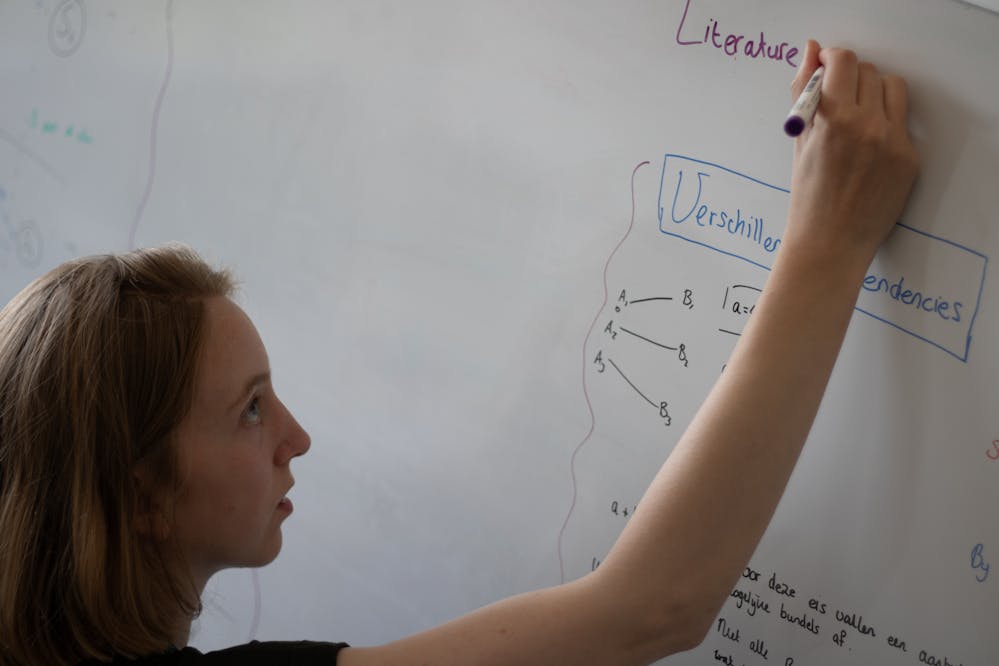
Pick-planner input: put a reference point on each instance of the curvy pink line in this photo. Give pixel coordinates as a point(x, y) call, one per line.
point(154, 130)
point(586, 392)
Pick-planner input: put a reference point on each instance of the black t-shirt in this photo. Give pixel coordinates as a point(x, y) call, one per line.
point(304, 653)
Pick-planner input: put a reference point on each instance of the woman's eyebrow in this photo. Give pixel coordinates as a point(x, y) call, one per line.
point(252, 383)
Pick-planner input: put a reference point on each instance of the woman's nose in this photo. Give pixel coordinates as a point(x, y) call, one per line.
point(295, 440)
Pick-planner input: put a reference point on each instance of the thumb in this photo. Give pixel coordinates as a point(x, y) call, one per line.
point(809, 63)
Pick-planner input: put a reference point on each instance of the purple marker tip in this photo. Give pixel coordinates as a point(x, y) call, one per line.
point(801, 113)
point(794, 125)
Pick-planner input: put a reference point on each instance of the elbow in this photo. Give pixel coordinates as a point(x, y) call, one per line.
point(678, 624)
point(670, 627)
point(699, 623)
point(687, 625)
point(649, 626)
point(701, 610)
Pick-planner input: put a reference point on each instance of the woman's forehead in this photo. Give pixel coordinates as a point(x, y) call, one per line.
point(233, 352)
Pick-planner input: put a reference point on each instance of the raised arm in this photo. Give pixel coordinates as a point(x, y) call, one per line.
point(673, 567)
point(709, 506)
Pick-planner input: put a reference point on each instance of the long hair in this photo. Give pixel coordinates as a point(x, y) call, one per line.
point(98, 360)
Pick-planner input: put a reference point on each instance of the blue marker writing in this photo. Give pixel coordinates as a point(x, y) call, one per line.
point(801, 113)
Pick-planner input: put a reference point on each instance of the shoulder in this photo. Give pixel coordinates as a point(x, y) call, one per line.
point(249, 654)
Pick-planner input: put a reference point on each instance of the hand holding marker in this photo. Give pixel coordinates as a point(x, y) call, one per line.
point(804, 108)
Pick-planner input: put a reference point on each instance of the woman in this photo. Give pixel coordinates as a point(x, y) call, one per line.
point(142, 447)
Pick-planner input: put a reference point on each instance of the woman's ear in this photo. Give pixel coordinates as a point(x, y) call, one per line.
point(149, 518)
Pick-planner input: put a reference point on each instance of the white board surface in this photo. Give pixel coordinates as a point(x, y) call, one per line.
point(477, 239)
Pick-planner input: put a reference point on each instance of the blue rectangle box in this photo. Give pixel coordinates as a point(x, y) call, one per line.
point(924, 285)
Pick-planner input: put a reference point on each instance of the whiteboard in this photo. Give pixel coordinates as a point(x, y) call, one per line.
point(471, 236)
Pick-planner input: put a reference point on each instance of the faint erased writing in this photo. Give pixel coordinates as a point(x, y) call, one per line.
point(67, 27)
point(24, 238)
point(69, 131)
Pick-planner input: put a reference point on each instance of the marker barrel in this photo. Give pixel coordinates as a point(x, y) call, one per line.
point(804, 108)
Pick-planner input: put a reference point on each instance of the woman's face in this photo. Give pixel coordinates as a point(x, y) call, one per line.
point(235, 447)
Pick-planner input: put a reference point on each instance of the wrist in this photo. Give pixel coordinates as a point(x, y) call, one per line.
point(814, 288)
point(824, 261)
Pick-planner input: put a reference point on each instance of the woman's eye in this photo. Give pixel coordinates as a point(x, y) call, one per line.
point(252, 412)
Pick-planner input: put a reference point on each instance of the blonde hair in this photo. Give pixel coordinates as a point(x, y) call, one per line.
point(98, 360)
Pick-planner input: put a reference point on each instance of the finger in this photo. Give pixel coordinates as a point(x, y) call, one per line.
point(840, 81)
point(896, 100)
point(809, 63)
point(870, 90)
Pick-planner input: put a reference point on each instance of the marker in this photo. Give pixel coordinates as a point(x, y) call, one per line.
point(801, 113)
